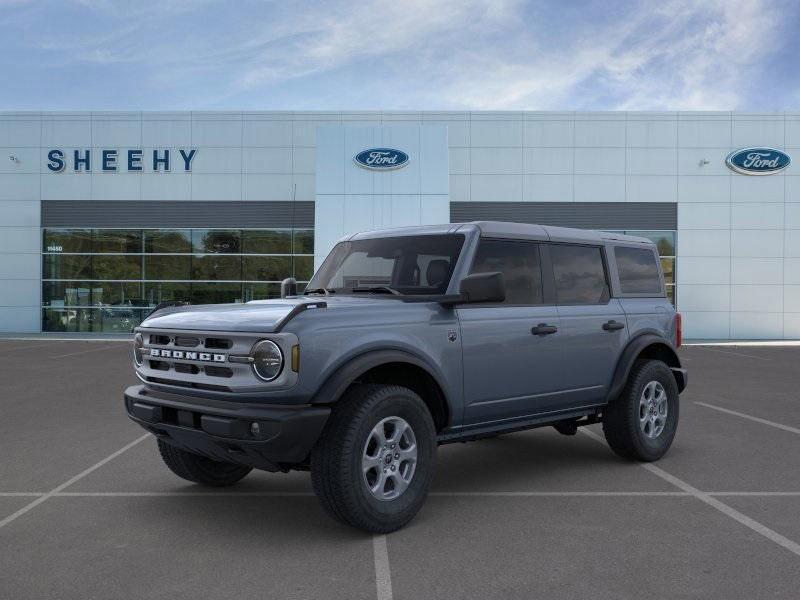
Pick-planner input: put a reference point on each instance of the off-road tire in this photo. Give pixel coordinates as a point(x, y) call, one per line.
point(336, 471)
point(621, 417)
point(200, 469)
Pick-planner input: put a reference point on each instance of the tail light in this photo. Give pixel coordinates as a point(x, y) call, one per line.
point(678, 330)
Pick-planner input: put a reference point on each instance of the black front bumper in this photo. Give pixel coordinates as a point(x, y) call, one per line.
point(225, 431)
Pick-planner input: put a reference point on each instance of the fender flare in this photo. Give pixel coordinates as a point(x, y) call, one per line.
point(632, 351)
point(344, 375)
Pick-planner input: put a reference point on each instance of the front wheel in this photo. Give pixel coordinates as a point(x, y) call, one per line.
point(199, 469)
point(641, 423)
point(373, 465)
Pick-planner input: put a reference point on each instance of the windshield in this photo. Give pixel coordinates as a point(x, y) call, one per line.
point(420, 264)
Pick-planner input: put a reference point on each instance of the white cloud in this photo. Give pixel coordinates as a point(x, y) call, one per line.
point(461, 54)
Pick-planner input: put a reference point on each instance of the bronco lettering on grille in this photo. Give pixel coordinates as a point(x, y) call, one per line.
point(182, 354)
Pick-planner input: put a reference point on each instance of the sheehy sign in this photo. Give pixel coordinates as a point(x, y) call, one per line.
point(111, 161)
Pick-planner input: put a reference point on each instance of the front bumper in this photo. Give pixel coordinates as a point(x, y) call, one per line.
point(223, 430)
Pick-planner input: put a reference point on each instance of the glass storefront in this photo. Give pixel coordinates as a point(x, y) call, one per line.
point(107, 280)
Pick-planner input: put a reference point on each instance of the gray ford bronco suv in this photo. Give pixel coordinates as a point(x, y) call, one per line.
point(409, 338)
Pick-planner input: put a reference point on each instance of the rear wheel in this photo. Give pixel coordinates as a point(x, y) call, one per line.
point(200, 469)
point(641, 423)
point(373, 464)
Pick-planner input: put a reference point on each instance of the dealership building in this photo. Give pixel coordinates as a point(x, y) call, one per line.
point(105, 214)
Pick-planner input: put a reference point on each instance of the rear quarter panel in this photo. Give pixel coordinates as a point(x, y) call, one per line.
point(649, 315)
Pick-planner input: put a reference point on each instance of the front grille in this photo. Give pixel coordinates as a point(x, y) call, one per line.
point(193, 359)
point(218, 344)
point(186, 342)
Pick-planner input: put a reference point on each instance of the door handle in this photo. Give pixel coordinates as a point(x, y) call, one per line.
point(613, 325)
point(544, 329)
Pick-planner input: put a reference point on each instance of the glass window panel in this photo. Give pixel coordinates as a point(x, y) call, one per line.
point(57, 294)
point(261, 291)
point(303, 267)
point(668, 266)
point(579, 274)
point(671, 294)
point(267, 268)
point(267, 241)
point(216, 267)
point(304, 241)
point(117, 267)
point(54, 319)
point(158, 241)
point(216, 293)
point(117, 240)
point(159, 266)
point(117, 320)
point(519, 264)
point(226, 241)
point(67, 319)
point(664, 240)
point(638, 270)
point(67, 266)
point(157, 292)
point(67, 240)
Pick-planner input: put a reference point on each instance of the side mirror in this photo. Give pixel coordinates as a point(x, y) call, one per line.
point(288, 287)
point(483, 287)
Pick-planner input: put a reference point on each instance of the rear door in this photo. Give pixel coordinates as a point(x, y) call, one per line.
point(510, 349)
point(593, 325)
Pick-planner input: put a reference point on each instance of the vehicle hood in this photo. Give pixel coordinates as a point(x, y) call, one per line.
point(260, 316)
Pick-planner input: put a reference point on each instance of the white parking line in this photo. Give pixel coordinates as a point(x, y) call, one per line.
point(82, 352)
point(69, 482)
point(742, 354)
point(734, 514)
point(383, 576)
point(751, 418)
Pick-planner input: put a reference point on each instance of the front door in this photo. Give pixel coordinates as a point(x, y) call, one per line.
point(510, 349)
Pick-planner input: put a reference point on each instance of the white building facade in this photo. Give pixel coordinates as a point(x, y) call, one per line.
point(103, 215)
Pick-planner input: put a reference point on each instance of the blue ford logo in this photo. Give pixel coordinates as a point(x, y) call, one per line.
point(381, 159)
point(758, 161)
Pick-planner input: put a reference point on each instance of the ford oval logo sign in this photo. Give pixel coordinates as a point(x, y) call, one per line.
point(758, 161)
point(381, 159)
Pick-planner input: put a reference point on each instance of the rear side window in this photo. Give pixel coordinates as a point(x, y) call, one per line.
point(638, 270)
point(520, 265)
point(580, 277)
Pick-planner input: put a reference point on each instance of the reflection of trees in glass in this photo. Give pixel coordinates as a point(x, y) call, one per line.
point(267, 268)
point(117, 267)
point(219, 240)
point(67, 240)
point(117, 240)
point(267, 241)
point(304, 241)
point(168, 240)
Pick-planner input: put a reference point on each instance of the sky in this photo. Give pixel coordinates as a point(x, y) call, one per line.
point(400, 55)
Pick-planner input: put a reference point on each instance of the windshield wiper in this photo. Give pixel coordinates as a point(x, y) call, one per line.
point(377, 289)
point(323, 291)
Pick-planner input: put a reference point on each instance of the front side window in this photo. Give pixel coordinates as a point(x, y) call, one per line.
point(420, 264)
point(638, 271)
point(580, 277)
point(520, 265)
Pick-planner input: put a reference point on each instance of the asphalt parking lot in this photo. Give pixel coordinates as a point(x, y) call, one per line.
point(87, 510)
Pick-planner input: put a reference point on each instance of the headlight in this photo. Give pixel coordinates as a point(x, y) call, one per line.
point(138, 344)
point(267, 360)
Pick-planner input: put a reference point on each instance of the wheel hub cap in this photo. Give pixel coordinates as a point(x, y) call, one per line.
point(389, 459)
point(653, 409)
